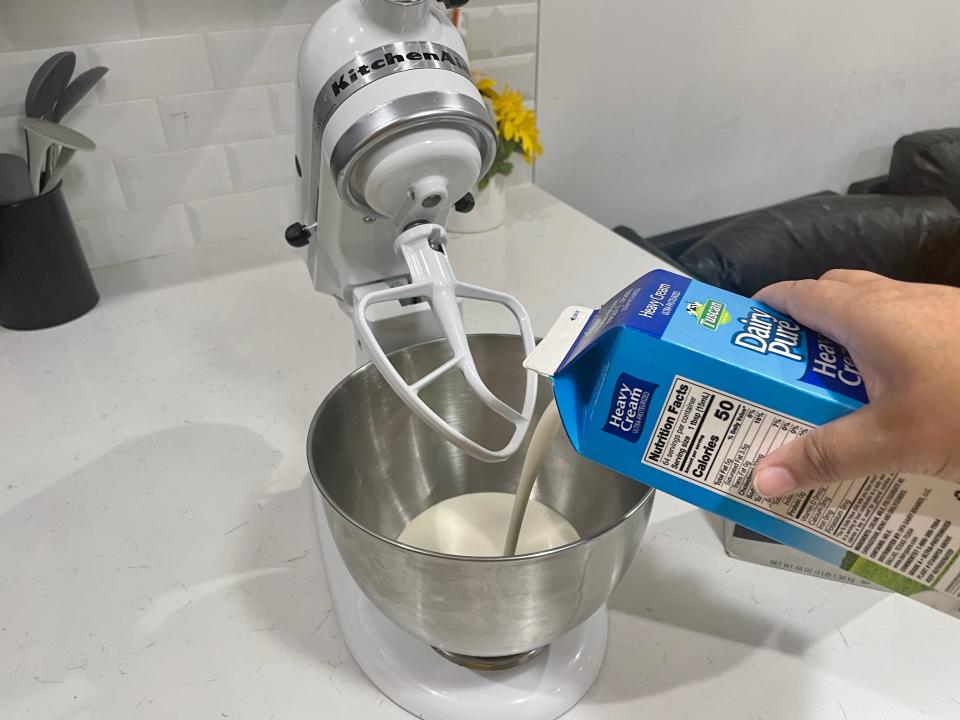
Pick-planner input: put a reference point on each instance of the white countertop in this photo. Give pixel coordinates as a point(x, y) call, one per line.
point(159, 554)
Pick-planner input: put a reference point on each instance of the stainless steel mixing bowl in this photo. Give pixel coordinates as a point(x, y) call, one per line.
point(377, 467)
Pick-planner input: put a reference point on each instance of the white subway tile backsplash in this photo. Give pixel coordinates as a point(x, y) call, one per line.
point(47, 23)
point(214, 118)
point(518, 29)
point(194, 122)
point(262, 213)
point(158, 180)
point(480, 28)
point(150, 68)
point(18, 68)
point(282, 107)
point(494, 31)
point(289, 12)
point(131, 235)
point(517, 71)
point(175, 17)
point(120, 130)
point(261, 163)
point(255, 57)
point(93, 190)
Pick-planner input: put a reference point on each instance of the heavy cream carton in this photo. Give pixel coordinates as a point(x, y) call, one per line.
point(685, 387)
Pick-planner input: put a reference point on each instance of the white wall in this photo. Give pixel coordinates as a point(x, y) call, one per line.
point(663, 113)
point(195, 119)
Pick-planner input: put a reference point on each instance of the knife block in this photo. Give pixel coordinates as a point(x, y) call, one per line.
point(44, 276)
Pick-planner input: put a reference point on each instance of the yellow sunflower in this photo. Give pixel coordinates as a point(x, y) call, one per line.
point(516, 125)
point(486, 87)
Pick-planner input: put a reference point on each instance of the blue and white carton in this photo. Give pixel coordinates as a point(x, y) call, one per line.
point(685, 387)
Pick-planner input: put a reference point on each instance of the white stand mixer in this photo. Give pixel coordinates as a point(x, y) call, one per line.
point(392, 134)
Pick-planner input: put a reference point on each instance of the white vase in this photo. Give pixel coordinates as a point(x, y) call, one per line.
point(489, 213)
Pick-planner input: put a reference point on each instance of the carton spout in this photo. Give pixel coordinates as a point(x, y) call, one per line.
point(548, 356)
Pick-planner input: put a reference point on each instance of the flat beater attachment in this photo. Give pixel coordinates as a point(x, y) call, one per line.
point(432, 278)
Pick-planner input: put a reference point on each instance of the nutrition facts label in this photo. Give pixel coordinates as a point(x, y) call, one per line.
point(910, 525)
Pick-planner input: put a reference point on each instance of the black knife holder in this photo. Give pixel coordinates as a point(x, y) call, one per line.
point(44, 276)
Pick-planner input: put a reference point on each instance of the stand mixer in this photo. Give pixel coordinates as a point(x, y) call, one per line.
point(391, 136)
point(392, 133)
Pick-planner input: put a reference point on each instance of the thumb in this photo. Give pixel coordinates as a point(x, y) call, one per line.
point(854, 446)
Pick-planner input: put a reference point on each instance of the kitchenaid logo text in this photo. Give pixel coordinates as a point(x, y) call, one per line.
point(395, 60)
point(628, 407)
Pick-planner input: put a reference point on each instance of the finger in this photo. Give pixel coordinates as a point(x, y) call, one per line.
point(825, 306)
point(854, 446)
point(851, 277)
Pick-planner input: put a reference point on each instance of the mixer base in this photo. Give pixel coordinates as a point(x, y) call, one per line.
point(429, 686)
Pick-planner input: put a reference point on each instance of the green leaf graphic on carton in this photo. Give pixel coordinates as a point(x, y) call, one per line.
point(710, 314)
point(881, 576)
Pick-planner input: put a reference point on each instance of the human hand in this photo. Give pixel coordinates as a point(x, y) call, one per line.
point(905, 340)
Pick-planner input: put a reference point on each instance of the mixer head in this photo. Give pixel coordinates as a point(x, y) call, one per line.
point(392, 132)
point(376, 77)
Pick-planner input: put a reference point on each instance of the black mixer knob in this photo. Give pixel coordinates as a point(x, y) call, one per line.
point(297, 235)
point(465, 204)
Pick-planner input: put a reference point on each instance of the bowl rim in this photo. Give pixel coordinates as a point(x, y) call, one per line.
point(646, 499)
